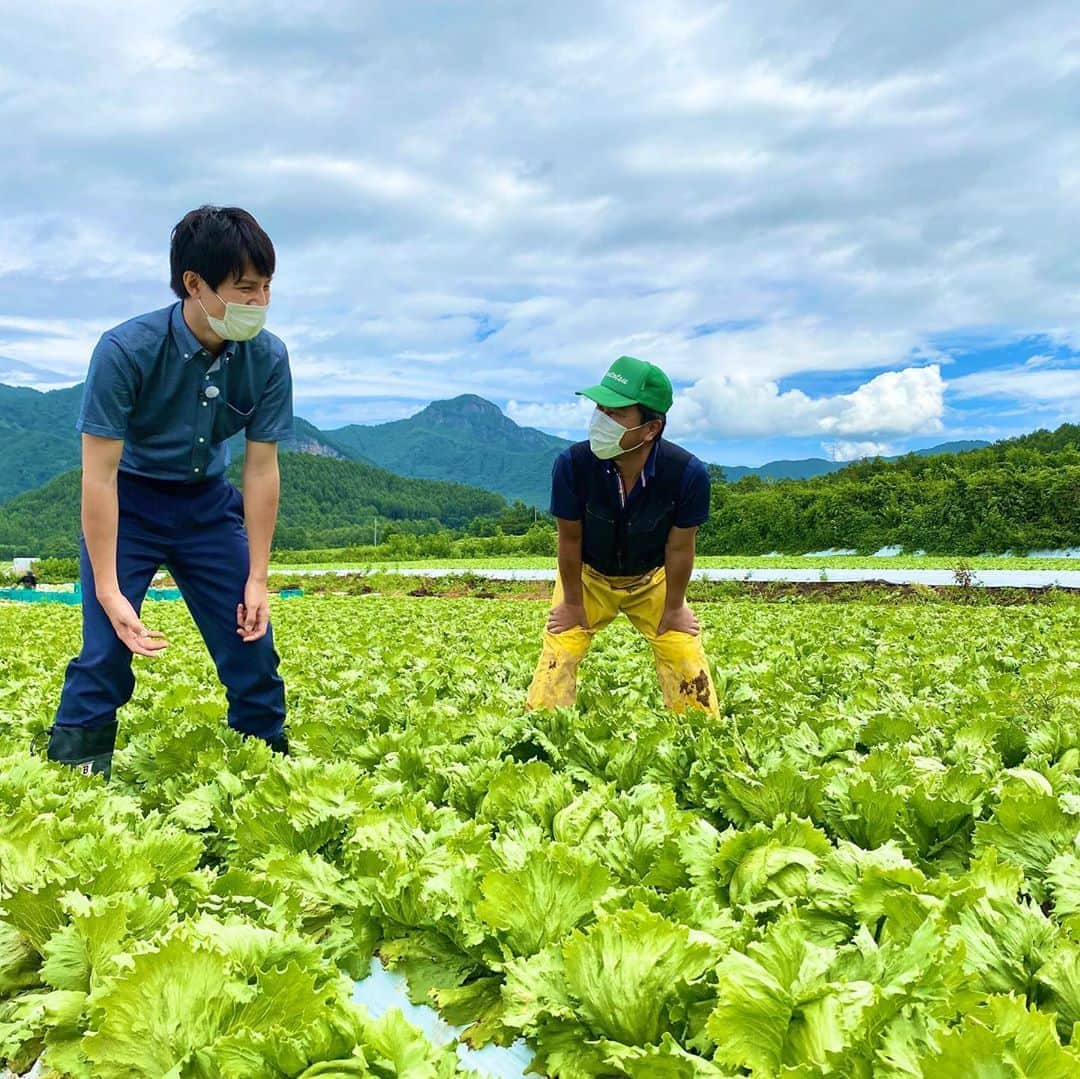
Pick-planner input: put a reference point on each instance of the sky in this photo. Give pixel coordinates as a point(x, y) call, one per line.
point(842, 228)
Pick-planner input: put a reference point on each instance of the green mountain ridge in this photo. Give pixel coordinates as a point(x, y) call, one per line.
point(1019, 494)
point(808, 468)
point(322, 499)
point(465, 439)
point(40, 443)
point(38, 436)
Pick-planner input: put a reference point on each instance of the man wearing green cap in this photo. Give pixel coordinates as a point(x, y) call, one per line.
point(628, 505)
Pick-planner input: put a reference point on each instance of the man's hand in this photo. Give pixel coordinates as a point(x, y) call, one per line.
point(129, 626)
point(566, 616)
point(681, 619)
point(253, 615)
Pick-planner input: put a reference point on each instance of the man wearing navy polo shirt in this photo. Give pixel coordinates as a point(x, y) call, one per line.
point(164, 392)
point(628, 504)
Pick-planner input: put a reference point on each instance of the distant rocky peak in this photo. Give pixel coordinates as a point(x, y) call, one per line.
point(466, 408)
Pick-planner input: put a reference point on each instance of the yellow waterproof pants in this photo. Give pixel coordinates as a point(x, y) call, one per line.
point(685, 679)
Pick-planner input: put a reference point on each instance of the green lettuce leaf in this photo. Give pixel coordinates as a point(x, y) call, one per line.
point(1063, 883)
point(1029, 828)
point(168, 1004)
point(19, 961)
point(564, 1050)
point(623, 972)
point(526, 793)
point(1059, 983)
point(101, 929)
point(429, 960)
point(478, 1006)
point(535, 990)
point(553, 892)
point(750, 797)
point(769, 864)
point(668, 1060)
point(1004, 1039)
point(31, 1022)
point(396, 1043)
point(776, 1004)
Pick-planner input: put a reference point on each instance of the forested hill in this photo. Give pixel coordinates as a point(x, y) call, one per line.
point(38, 440)
point(37, 436)
point(324, 502)
point(809, 467)
point(1019, 494)
point(467, 438)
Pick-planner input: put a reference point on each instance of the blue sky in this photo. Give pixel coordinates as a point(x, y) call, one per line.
point(842, 228)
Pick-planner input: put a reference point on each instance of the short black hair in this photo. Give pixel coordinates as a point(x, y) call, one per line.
point(650, 414)
point(218, 242)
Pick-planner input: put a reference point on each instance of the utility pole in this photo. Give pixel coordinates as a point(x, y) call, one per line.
point(376, 544)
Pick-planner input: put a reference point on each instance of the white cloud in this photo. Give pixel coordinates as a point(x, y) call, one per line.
point(1027, 383)
point(837, 186)
point(368, 178)
point(13, 373)
point(894, 403)
point(569, 419)
point(61, 348)
point(857, 451)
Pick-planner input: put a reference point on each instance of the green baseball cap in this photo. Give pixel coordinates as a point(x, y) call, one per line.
point(630, 381)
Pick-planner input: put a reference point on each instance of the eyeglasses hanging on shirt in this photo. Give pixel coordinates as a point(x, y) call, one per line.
point(211, 392)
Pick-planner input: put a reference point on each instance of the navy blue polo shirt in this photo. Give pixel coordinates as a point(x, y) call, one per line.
point(692, 503)
point(174, 405)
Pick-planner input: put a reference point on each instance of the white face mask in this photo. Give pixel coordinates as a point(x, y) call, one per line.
point(605, 436)
point(242, 321)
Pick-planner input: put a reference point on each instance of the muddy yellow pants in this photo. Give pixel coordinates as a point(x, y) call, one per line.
point(685, 679)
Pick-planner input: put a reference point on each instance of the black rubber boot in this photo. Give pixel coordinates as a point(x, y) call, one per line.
point(279, 743)
point(88, 751)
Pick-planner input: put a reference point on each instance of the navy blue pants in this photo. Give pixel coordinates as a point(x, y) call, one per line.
point(197, 532)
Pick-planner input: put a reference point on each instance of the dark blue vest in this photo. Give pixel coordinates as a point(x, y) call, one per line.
point(624, 541)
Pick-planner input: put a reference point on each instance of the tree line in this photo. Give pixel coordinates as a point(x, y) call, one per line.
point(1018, 495)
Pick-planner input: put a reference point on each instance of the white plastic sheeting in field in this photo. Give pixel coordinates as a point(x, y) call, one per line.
point(983, 578)
point(34, 1073)
point(384, 989)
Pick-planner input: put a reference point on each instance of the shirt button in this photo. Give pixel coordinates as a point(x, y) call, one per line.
point(207, 378)
point(202, 439)
point(196, 470)
point(204, 404)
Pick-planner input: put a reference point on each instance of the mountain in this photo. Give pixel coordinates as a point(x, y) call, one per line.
point(1020, 494)
point(39, 440)
point(779, 470)
point(37, 436)
point(948, 447)
point(809, 467)
point(324, 502)
point(307, 438)
point(467, 439)
point(15, 373)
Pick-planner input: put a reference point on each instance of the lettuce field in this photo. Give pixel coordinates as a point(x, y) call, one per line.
point(868, 866)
